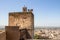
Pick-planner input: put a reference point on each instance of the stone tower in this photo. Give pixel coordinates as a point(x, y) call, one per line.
point(24, 19)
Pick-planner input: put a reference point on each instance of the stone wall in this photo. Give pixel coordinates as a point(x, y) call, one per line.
point(22, 19)
point(2, 35)
point(12, 33)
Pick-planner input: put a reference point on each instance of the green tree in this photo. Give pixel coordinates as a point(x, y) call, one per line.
point(36, 36)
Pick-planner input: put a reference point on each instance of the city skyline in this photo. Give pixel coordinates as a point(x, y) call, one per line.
point(46, 12)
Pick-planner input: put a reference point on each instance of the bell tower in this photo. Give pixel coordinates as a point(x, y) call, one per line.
point(24, 9)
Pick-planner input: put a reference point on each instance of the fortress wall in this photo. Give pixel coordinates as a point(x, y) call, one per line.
point(22, 19)
point(3, 35)
point(12, 33)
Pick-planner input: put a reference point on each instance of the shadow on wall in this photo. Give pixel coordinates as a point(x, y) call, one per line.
point(24, 34)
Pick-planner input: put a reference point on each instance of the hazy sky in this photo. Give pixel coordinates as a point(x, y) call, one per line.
point(46, 12)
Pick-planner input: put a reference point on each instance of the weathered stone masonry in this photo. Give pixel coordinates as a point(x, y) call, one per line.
point(21, 25)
